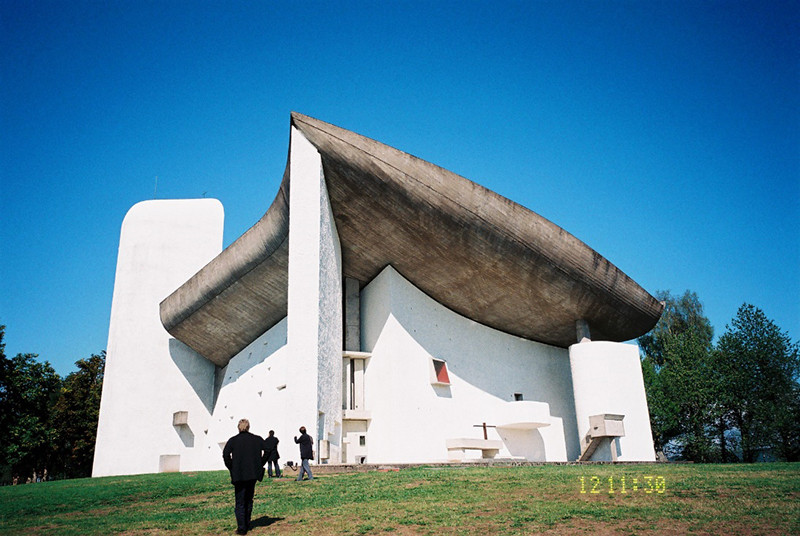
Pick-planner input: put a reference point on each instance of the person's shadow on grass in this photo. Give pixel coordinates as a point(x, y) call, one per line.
point(264, 521)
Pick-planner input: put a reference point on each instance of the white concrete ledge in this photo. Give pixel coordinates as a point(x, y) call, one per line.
point(356, 355)
point(356, 415)
point(457, 447)
point(523, 415)
point(472, 443)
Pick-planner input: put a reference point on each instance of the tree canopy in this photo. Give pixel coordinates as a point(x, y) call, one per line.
point(758, 367)
point(28, 390)
point(75, 416)
point(737, 399)
point(675, 367)
point(47, 423)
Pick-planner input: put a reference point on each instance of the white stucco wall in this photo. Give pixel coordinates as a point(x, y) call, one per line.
point(315, 301)
point(607, 378)
point(252, 387)
point(411, 418)
point(291, 375)
point(149, 375)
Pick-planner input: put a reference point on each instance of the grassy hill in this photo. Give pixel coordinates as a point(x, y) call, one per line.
point(550, 499)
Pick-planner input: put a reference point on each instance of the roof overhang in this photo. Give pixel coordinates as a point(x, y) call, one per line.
point(472, 250)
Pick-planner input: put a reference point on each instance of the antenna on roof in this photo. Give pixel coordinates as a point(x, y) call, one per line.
point(156, 188)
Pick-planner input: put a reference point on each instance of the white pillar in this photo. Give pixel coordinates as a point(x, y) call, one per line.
point(607, 378)
point(149, 375)
point(314, 378)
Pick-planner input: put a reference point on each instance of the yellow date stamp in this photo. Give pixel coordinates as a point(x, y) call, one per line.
point(623, 484)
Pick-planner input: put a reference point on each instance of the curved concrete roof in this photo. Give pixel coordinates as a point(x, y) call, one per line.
point(474, 251)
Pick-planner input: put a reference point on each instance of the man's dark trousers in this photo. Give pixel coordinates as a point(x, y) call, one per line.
point(244, 503)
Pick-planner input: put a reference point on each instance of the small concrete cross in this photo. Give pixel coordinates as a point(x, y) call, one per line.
point(484, 426)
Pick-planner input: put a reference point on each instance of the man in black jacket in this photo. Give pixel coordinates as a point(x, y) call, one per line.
point(306, 453)
point(244, 458)
point(271, 453)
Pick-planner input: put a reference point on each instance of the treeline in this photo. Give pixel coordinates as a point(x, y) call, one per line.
point(48, 424)
point(736, 400)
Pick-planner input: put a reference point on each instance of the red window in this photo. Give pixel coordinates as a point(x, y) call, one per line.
point(440, 367)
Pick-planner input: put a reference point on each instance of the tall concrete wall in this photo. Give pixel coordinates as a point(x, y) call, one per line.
point(607, 378)
point(149, 375)
point(412, 418)
point(253, 387)
point(315, 301)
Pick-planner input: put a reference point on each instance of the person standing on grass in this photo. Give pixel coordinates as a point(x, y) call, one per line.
point(306, 453)
point(271, 453)
point(244, 458)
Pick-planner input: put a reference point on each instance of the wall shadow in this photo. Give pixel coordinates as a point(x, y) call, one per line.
point(198, 371)
point(527, 444)
point(253, 355)
point(442, 391)
point(186, 434)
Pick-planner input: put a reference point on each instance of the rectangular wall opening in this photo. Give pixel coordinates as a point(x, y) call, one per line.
point(440, 374)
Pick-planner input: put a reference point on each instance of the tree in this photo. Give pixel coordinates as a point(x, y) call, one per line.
point(5, 469)
point(676, 371)
point(28, 390)
point(758, 369)
point(681, 315)
point(75, 415)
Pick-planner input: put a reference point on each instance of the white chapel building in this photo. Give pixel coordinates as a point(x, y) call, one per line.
point(398, 311)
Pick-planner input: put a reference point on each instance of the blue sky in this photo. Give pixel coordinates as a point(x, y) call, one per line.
point(666, 135)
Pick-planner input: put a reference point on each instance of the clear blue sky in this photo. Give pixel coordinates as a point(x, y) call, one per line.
point(666, 135)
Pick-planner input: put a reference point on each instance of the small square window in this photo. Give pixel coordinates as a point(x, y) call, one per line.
point(362, 441)
point(517, 397)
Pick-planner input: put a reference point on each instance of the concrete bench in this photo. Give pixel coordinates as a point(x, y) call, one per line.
point(457, 448)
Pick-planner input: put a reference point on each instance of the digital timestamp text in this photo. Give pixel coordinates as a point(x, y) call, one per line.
point(623, 484)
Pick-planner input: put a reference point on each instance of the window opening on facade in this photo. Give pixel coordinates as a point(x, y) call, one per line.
point(440, 374)
point(353, 382)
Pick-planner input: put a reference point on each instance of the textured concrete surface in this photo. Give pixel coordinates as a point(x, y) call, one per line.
point(314, 380)
point(472, 250)
point(352, 315)
point(240, 294)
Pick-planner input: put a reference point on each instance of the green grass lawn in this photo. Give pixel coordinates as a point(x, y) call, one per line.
point(549, 499)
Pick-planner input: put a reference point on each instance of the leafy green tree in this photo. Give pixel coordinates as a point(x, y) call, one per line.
point(676, 369)
point(75, 415)
point(681, 315)
point(28, 390)
point(758, 367)
point(5, 469)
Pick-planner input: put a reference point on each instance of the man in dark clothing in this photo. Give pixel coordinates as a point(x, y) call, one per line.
point(306, 453)
point(245, 461)
point(271, 453)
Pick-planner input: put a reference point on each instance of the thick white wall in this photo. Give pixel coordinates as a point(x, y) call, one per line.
point(607, 378)
point(252, 386)
point(315, 300)
point(149, 375)
point(411, 418)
